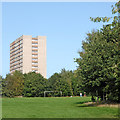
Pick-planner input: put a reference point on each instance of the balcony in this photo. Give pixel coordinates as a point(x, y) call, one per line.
point(34, 65)
point(34, 52)
point(34, 61)
point(34, 68)
point(34, 45)
point(34, 57)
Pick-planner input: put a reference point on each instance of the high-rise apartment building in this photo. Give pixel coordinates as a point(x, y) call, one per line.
point(28, 54)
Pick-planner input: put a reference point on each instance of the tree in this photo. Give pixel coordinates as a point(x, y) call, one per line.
point(76, 83)
point(73, 81)
point(13, 84)
point(99, 61)
point(58, 83)
point(35, 85)
point(66, 76)
point(1, 81)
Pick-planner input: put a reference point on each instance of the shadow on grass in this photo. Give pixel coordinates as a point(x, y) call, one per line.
point(80, 102)
point(89, 105)
point(97, 104)
point(86, 104)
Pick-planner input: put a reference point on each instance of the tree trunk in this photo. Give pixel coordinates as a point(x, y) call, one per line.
point(97, 99)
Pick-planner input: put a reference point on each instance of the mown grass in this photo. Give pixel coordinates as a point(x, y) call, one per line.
point(53, 107)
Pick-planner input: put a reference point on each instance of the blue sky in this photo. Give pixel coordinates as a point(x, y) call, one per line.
point(65, 25)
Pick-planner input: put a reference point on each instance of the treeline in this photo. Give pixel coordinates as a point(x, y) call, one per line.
point(34, 84)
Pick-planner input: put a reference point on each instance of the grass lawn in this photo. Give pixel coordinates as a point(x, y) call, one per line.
point(53, 107)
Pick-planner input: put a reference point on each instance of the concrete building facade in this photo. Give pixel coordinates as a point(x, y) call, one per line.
point(28, 54)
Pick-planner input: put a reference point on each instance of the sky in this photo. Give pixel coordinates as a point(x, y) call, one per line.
point(64, 23)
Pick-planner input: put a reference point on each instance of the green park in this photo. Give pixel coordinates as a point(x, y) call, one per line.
point(55, 107)
point(96, 79)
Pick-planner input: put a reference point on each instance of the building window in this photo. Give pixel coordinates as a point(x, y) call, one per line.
point(34, 39)
point(34, 66)
point(34, 51)
point(34, 71)
point(34, 47)
point(34, 63)
point(33, 55)
point(34, 43)
point(34, 59)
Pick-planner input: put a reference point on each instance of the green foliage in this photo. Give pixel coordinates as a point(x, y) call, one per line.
point(2, 85)
point(115, 9)
point(34, 85)
point(1, 79)
point(99, 19)
point(99, 60)
point(67, 77)
point(13, 84)
point(65, 81)
point(77, 84)
point(57, 83)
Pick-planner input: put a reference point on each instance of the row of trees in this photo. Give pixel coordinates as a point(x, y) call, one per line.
point(34, 85)
point(65, 81)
